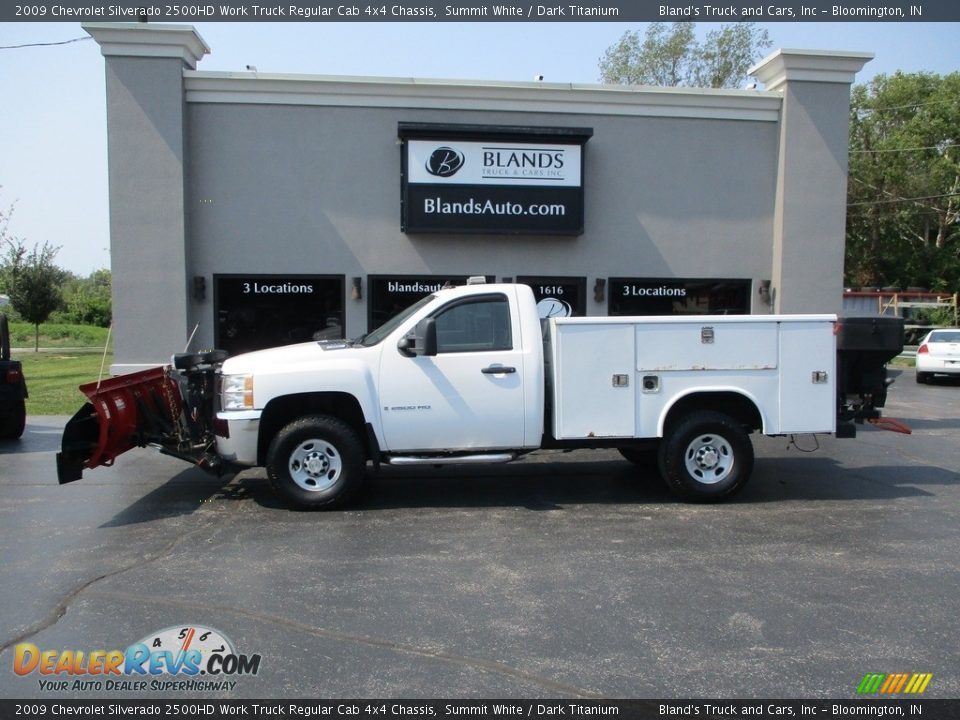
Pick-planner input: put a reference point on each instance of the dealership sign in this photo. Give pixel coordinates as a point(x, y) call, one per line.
point(511, 181)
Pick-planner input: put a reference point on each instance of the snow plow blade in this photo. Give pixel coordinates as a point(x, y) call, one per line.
point(124, 412)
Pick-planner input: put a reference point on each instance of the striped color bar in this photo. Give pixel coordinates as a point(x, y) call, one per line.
point(894, 683)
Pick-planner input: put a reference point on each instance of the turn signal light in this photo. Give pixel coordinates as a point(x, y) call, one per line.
point(923, 349)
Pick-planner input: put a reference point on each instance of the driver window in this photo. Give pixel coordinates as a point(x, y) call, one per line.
point(478, 325)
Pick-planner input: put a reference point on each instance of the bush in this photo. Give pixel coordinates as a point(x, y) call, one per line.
point(938, 317)
point(87, 300)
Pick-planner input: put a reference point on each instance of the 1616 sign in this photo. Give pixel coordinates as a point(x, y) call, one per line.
point(456, 181)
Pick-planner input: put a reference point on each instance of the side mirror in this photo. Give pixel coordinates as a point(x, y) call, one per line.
point(422, 341)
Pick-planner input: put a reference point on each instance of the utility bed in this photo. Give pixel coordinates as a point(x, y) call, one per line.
point(618, 377)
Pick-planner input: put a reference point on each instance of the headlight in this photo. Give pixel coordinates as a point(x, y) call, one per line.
point(237, 392)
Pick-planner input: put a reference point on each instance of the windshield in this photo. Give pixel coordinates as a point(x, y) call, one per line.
point(376, 336)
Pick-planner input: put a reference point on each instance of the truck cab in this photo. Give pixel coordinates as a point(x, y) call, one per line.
point(461, 370)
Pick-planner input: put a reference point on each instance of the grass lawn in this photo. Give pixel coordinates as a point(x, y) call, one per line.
point(53, 335)
point(903, 362)
point(54, 374)
point(53, 377)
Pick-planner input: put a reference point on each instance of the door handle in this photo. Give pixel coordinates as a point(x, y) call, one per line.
point(498, 370)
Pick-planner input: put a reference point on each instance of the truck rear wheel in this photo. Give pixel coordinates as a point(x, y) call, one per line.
point(316, 462)
point(706, 457)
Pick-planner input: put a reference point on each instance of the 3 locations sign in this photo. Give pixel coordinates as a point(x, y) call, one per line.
point(486, 179)
point(673, 296)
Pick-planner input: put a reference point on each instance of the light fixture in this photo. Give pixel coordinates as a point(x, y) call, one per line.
point(599, 290)
point(763, 289)
point(355, 291)
point(199, 288)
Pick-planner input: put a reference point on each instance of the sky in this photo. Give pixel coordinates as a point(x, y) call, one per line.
point(53, 157)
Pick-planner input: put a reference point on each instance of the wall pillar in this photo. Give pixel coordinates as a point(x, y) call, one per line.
point(810, 211)
point(145, 144)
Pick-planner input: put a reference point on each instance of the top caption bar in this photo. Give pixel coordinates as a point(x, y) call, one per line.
point(451, 11)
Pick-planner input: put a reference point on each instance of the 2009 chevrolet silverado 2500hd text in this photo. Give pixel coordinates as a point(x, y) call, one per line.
point(471, 375)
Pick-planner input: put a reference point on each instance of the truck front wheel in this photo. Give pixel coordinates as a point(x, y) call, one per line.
point(316, 462)
point(707, 456)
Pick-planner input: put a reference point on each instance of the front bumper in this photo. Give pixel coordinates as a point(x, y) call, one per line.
point(237, 433)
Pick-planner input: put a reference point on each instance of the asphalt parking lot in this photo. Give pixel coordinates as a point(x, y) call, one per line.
point(563, 575)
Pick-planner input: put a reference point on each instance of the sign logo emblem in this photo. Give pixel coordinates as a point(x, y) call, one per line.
point(444, 162)
point(553, 307)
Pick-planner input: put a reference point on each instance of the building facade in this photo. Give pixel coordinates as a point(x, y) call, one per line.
point(249, 210)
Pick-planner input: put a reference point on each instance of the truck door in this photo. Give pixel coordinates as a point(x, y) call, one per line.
point(470, 394)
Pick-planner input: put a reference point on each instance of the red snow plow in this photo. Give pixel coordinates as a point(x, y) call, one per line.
point(144, 408)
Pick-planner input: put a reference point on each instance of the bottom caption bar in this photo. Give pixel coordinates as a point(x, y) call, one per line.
point(701, 709)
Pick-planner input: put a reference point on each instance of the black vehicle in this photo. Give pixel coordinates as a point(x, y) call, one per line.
point(13, 389)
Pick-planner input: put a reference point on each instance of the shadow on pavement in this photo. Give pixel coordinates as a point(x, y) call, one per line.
point(183, 494)
point(553, 485)
point(38, 436)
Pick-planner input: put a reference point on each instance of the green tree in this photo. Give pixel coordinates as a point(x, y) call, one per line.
point(34, 283)
point(670, 55)
point(903, 210)
point(87, 300)
point(13, 251)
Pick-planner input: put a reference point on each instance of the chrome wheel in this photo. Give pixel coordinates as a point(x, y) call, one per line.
point(706, 456)
point(316, 462)
point(315, 465)
point(709, 458)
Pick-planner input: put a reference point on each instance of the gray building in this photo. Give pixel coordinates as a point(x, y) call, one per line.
point(265, 209)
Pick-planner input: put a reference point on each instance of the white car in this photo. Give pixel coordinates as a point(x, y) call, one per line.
point(939, 353)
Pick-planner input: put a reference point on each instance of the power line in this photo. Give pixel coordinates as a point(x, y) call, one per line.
point(900, 199)
point(912, 149)
point(47, 44)
point(905, 107)
point(892, 198)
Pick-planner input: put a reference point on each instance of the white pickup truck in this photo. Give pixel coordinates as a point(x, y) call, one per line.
point(472, 375)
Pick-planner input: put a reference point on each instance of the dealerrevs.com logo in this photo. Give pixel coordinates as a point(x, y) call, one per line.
point(181, 658)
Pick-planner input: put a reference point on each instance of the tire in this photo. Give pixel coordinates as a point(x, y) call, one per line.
point(316, 462)
point(12, 426)
point(188, 361)
point(706, 457)
point(922, 377)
